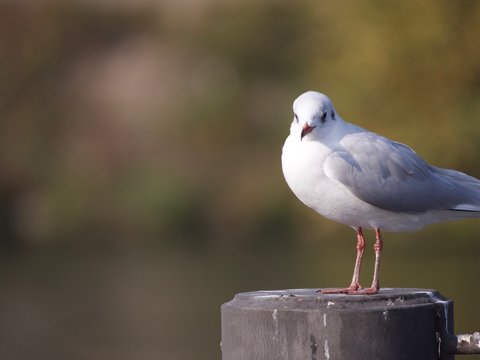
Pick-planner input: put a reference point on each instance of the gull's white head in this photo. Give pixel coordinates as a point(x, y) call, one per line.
point(314, 115)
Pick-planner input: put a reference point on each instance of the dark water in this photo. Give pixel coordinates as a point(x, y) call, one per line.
point(142, 302)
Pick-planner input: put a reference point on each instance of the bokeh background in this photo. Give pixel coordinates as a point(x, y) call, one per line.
point(140, 179)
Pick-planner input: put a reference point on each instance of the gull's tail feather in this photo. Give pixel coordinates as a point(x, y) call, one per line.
point(465, 210)
point(466, 189)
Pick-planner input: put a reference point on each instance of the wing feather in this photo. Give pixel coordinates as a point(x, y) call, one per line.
point(391, 176)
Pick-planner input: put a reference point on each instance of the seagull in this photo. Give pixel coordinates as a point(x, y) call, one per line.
point(366, 181)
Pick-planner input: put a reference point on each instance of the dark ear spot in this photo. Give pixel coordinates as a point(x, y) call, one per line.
point(296, 117)
point(324, 117)
point(332, 114)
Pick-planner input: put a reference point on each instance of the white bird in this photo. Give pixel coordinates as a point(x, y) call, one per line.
point(364, 180)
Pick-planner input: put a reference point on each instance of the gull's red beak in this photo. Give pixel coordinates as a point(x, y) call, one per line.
point(306, 129)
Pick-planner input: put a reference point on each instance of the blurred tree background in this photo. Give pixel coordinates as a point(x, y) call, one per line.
point(140, 179)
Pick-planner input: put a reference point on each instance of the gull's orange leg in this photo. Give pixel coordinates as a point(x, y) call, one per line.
point(374, 289)
point(355, 284)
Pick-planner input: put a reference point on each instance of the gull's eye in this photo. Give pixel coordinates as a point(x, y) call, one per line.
point(324, 117)
point(296, 117)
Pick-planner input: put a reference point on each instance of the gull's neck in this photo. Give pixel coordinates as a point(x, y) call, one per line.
point(341, 129)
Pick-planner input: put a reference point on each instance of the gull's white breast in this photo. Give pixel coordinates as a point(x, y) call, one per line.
point(303, 168)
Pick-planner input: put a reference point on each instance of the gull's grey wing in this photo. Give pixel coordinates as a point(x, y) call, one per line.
point(391, 176)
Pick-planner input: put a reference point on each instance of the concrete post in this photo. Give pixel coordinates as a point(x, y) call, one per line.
point(303, 324)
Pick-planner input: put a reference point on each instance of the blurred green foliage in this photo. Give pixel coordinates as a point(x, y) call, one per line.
point(159, 126)
point(151, 119)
